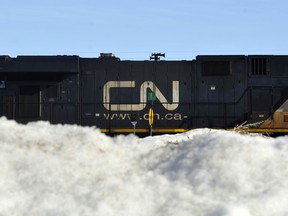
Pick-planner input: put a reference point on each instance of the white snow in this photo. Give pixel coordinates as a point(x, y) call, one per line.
point(57, 170)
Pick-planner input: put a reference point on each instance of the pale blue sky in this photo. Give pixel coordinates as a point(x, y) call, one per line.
point(133, 29)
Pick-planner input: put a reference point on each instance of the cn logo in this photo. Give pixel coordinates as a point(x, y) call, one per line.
point(143, 96)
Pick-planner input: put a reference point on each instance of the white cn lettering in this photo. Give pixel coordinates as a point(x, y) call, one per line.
point(143, 96)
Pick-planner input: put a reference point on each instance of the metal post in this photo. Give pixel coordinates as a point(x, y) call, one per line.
point(134, 126)
point(133, 118)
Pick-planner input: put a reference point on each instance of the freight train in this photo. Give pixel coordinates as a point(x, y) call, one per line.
point(122, 96)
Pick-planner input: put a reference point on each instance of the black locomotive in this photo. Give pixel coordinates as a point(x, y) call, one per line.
point(162, 96)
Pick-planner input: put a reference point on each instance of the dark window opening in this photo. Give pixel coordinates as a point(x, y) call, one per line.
point(285, 118)
point(29, 102)
point(259, 66)
point(216, 68)
point(51, 92)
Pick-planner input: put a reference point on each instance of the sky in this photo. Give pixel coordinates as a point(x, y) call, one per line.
point(64, 170)
point(133, 29)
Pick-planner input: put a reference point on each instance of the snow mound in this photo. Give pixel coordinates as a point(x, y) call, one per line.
point(72, 170)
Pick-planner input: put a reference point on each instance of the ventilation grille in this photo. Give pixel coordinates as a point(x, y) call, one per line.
point(259, 66)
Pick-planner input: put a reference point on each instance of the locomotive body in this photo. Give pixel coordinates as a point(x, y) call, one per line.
point(210, 91)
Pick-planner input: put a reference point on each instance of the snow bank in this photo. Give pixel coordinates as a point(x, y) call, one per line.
point(70, 170)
